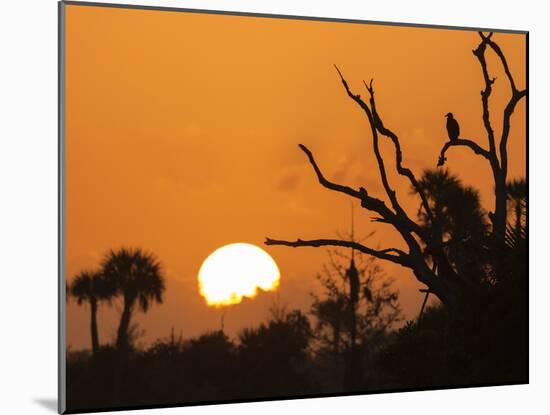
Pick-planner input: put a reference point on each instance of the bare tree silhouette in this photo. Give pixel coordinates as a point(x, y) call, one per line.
point(92, 287)
point(498, 158)
point(426, 255)
point(139, 280)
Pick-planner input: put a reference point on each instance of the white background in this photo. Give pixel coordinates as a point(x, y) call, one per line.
point(28, 203)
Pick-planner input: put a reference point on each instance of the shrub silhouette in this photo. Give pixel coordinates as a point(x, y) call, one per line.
point(273, 357)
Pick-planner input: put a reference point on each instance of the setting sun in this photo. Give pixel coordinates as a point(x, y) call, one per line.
point(235, 271)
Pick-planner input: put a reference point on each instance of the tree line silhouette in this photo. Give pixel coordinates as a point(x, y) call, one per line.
point(352, 339)
point(287, 355)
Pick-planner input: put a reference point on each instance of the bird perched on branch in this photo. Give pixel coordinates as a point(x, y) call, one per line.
point(453, 129)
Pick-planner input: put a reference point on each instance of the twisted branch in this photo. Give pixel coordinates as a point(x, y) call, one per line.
point(499, 165)
point(377, 126)
point(367, 201)
point(399, 257)
point(372, 204)
point(517, 95)
point(486, 39)
point(476, 148)
point(479, 52)
point(389, 191)
point(508, 111)
point(404, 171)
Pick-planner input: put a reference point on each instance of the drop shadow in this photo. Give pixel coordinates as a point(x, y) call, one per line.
point(48, 403)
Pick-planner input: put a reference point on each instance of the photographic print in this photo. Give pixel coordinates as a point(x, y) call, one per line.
point(266, 207)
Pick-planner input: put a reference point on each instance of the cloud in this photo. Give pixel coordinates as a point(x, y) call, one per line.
point(288, 182)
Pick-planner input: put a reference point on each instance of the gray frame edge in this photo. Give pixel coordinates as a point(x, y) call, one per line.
point(62, 293)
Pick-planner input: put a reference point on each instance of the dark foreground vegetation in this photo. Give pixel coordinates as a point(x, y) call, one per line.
point(276, 360)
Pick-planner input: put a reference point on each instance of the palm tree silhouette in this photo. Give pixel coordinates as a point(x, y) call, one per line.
point(139, 280)
point(458, 218)
point(457, 208)
point(92, 287)
point(517, 197)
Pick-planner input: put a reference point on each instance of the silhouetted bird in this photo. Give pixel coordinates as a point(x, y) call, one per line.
point(453, 129)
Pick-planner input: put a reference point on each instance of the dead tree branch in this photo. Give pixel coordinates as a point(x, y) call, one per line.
point(403, 224)
point(377, 126)
point(389, 191)
point(415, 259)
point(400, 257)
point(476, 148)
point(404, 171)
point(498, 159)
point(426, 252)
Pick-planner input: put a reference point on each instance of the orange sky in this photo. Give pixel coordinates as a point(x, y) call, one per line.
point(182, 132)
